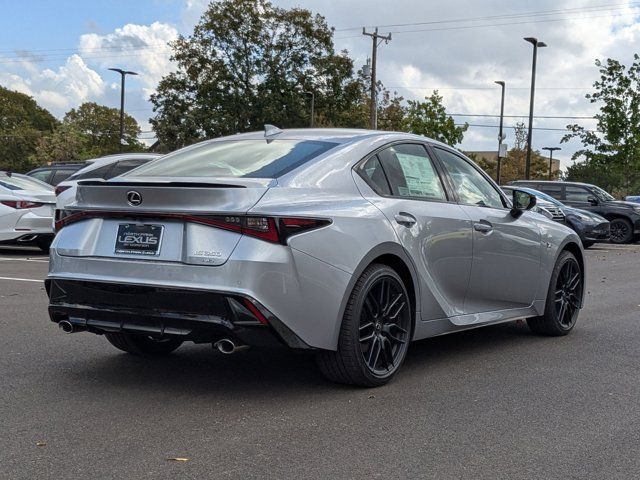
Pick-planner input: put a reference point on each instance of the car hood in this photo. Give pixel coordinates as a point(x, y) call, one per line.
point(621, 204)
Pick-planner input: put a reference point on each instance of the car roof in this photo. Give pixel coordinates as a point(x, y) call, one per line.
point(335, 135)
point(553, 182)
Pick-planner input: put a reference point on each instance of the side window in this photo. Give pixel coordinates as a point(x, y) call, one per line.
point(372, 171)
point(124, 166)
point(552, 190)
point(470, 185)
point(60, 176)
point(411, 173)
point(42, 175)
point(577, 194)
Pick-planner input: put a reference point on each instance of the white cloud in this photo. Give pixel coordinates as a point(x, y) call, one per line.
point(140, 48)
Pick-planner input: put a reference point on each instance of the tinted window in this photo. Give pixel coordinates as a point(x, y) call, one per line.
point(411, 173)
point(577, 194)
point(60, 176)
point(372, 171)
point(124, 166)
point(470, 185)
point(100, 172)
point(551, 189)
point(236, 158)
point(41, 175)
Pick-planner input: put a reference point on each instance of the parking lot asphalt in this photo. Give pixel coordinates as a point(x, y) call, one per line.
point(494, 403)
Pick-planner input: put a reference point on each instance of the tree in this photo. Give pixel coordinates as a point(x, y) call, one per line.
point(89, 131)
point(248, 63)
point(429, 118)
point(22, 123)
point(612, 153)
point(513, 166)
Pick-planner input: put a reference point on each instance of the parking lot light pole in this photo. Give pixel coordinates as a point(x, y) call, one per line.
point(536, 44)
point(123, 73)
point(551, 150)
point(500, 133)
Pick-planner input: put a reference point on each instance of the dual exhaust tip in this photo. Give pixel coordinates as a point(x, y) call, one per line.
point(224, 345)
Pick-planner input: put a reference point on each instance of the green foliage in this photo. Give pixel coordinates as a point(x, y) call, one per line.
point(612, 154)
point(89, 131)
point(248, 63)
point(22, 123)
point(429, 118)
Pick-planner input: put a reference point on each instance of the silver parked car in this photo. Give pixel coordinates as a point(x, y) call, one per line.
point(351, 243)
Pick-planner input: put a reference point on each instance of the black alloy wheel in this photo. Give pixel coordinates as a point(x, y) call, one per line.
point(621, 230)
point(375, 333)
point(384, 326)
point(564, 299)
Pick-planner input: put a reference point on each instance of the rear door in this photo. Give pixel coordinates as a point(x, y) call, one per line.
point(506, 250)
point(578, 197)
point(433, 229)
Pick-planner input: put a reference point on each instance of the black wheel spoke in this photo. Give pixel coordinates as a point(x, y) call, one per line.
point(385, 321)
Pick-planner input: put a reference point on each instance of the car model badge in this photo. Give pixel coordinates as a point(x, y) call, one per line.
point(134, 198)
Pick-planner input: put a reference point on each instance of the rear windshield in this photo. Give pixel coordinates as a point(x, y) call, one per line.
point(14, 182)
point(235, 158)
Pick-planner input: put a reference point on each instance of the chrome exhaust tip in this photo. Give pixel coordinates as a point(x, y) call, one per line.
point(28, 238)
point(228, 346)
point(66, 326)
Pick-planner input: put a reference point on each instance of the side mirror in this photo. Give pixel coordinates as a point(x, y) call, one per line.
point(522, 201)
point(592, 200)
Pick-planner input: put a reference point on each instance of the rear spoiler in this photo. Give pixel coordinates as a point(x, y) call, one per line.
point(102, 183)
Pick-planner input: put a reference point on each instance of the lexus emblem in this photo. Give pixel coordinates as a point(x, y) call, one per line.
point(134, 198)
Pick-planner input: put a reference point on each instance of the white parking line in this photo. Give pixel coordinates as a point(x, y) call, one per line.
point(10, 259)
point(22, 279)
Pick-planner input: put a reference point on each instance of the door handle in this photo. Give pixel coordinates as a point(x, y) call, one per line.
point(482, 226)
point(405, 219)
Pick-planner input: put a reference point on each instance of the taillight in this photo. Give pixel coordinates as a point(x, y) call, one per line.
point(61, 188)
point(270, 229)
point(21, 204)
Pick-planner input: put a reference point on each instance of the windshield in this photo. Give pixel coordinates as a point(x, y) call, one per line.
point(602, 195)
point(235, 158)
point(15, 182)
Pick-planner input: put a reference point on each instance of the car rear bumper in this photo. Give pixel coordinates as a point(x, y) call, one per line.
point(195, 315)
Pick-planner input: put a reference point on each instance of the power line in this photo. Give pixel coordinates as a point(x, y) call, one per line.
point(514, 126)
point(594, 8)
point(469, 87)
point(521, 116)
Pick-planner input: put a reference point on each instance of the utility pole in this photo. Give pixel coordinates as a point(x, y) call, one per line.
point(551, 150)
point(313, 101)
point(123, 73)
point(536, 44)
point(374, 103)
point(500, 133)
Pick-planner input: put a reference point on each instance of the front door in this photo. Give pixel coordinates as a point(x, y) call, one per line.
point(506, 250)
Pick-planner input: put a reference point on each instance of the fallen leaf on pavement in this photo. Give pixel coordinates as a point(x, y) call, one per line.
point(178, 459)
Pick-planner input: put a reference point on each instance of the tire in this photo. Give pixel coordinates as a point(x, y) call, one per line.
point(374, 335)
point(143, 345)
point(565, 291)
point(44, 244)
point(621, 231)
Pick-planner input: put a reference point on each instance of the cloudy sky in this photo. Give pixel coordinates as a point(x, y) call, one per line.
point(59, 53)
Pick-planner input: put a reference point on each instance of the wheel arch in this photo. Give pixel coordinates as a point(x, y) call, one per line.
point(393, 255)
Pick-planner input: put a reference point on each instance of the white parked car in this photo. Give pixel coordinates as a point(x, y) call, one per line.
point(26, 210)
point(102, 168)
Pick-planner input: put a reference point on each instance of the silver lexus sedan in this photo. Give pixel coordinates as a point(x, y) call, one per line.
point(350, 243)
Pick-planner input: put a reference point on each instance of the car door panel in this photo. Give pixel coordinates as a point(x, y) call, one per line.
point(506, 250)
point(506, 260)
point(436, 233)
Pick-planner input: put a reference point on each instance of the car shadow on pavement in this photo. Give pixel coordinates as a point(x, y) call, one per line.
point(198, 369)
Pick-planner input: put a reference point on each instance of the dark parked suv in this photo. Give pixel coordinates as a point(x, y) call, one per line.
point(624, 216)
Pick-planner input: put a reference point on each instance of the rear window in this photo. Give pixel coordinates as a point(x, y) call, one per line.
point(239, 158)
point(23, 183)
